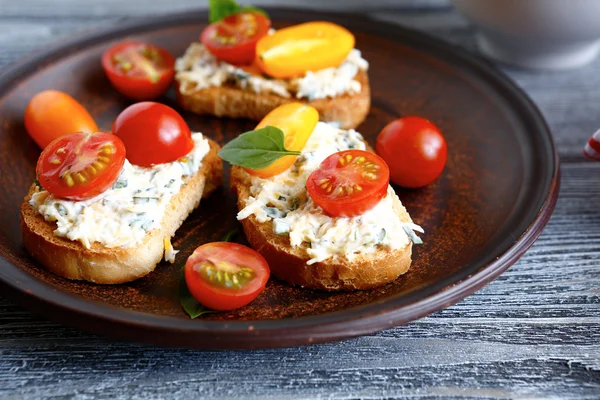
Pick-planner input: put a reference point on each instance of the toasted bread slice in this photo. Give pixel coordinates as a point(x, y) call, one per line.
point(99, 264)
point(289, 263)
point(350, 110)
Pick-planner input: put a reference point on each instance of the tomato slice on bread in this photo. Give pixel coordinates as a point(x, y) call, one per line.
point(81, 165)
point(312, 46)
point(233, 39)
point(138, 70)
point(297, 121)
point(349, 183)
point(153, 134)
point(225, 276)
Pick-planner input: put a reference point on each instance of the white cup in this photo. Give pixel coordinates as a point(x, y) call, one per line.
point(541, 34)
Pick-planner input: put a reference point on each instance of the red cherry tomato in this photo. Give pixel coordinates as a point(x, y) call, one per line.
point(81, 165)
point(153, 134)
point(138, 70)
point(414, 149)
point(233, 39)
point(349, 183)
point(225, 276)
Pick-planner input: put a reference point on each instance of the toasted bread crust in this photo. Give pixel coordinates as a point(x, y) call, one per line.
point(228, 101)
point(99, 264)
point(289, 263)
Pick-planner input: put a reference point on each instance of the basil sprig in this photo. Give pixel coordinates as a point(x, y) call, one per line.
point(256, 149)
point(219, 9)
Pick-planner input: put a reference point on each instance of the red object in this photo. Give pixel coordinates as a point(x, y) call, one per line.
point(153, 134)
point(414, 149)
point(592, 147)
point(81, 165)
point(233, 39)
point(138, 70)
point(225, 276)
point(349, 183)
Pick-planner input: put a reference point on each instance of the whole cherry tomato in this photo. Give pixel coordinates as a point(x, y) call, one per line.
point(81, 165)
point(349, 183)
point(233, 39)
point(138, 70)
point(225, 276)
point(52, 114)
point(415, 150)
point(153, 134)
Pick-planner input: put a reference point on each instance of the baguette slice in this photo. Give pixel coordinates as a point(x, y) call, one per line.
point(98, 264)
point(289, 263)
point(230, 101)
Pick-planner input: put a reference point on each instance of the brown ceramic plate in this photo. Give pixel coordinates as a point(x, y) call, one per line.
point(496, 195)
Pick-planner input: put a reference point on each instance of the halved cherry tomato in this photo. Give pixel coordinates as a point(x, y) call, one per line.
point(312, 46)
point(138, 70)
point(81, 165)
point(51, 114)
point(233, 39)
point(225, 276)
point(153, 134)
point(297, 121)
point(414, 149)
point(349, 183)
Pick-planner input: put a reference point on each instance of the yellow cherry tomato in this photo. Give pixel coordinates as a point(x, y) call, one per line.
point(51, 114)
point(312, 46)
point(297, 121)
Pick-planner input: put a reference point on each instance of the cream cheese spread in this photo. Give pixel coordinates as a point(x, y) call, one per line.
point(198, 69)
point(284, 200)
point(125, 213)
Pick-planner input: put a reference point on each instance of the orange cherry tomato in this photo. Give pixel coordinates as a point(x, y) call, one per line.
point(153, 134)
point(225, 276)
point(312, 46)
point(415, 150)
point(81, 165)
point(233, 39)
point(52, 114)
point(138, 70)
point(349, 183)
point(297, 121)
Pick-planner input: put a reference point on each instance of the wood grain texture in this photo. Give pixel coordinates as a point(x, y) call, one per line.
point(533, 333)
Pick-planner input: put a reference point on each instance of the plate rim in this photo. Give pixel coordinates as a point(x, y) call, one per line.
point(89, 315)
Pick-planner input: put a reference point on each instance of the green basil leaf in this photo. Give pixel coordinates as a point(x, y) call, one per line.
point(219, 9)
point(254, 9)
point(188, 302)
point(256, 149)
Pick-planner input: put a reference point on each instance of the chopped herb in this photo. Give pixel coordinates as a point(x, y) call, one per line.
point(274, 212)
point(381, 236)
point(144, 200)
point(281, 198)
point(38, 184)
point(295, 202)
point(146, 225)
point(61, 209)
point(411, 234)
point(120, 184)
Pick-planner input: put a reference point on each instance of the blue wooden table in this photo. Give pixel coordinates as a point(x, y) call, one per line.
point(532, 333)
